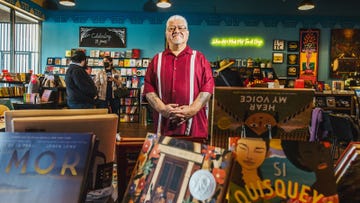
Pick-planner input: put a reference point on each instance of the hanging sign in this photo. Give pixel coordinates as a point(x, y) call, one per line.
point(102, 37)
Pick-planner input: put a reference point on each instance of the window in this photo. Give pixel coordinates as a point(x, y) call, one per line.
point(19, 41)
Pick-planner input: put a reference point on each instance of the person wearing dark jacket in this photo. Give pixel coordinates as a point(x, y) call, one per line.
point(80, 88)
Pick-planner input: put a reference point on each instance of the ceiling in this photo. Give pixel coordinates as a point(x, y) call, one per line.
point(334, 8)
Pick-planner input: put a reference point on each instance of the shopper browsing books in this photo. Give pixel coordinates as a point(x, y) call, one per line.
point(178, 84)
point(107, 80)
point(80, 88)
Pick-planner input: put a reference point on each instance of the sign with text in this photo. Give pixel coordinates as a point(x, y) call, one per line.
point(102, 37)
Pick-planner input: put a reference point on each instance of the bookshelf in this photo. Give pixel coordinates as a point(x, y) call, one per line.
point(12, 89)
point(336, 101)
point(132, 70)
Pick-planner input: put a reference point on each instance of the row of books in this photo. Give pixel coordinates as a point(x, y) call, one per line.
point(129, 118)
point(132, 53)
point(14, 91)
point(127, 62)
point(128, 109)
point(170, 169)
point(129, 101)
point(124, 62)
point(132, 82)
point(123, 71)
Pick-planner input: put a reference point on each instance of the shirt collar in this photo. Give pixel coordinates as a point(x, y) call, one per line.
point(187, 50)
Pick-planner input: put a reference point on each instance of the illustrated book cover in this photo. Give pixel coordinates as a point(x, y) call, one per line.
point(170, 169)
point(274, 170)
point(44, 167)
point(259, 112)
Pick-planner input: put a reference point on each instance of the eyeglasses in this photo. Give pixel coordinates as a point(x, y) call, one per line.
point(173, 28)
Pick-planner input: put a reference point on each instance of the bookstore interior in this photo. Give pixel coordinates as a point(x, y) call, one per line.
point(283, 120)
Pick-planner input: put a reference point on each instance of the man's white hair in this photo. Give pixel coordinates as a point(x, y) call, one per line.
point(176, 17)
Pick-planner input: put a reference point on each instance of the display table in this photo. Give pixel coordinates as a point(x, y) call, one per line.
point(43, 105)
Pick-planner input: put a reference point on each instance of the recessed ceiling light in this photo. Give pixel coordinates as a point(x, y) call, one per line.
point(163, 3)
point(306, 5)
point(67, 2)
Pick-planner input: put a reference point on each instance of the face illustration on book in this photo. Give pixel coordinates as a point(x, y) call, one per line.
point(250, 154)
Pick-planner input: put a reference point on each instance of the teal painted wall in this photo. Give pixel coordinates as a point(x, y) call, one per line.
point(59, 36)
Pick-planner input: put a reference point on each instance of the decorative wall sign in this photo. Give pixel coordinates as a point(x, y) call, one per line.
point(293, 46)
point(278, 57)
point(309, 54)
point(236, 42)
point(344, 52)
point(279, 45)
point(102, 37)
point(293, 59)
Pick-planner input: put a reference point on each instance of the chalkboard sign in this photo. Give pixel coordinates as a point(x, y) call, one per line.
point(102, 37)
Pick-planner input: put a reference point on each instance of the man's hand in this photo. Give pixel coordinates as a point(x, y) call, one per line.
point(181, 114)
point(167, 111)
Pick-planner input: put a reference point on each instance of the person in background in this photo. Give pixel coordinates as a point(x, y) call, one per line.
point(80, 88)
point(106, 81)
point(178, 84)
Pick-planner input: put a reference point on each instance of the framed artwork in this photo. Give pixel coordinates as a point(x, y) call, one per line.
point(344, 52)
point(293, 59)
point(293, 46)
point(279, 45)
point(292, 71)
point(277, 57)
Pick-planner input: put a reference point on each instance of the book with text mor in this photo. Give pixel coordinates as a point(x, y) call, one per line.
point(170, 169)
point(44, 167)
point(275, 170)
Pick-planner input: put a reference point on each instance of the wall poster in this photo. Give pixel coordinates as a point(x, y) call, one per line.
point(102, 37)
point(309, 54)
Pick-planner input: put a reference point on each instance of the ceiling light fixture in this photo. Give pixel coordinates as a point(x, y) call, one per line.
point(67, 2)
point(306, 5)
point(163, 3)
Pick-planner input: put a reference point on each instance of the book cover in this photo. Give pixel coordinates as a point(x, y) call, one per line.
point(173, 170)
point(121, 62)
point(132, 62)
point(45, 97)
point(138, 63)
point(57, 61)
point(127, 63)
point(44, 167)
point(260, 112)
point(274, 170)
point(347, 173)
point(350, 154)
